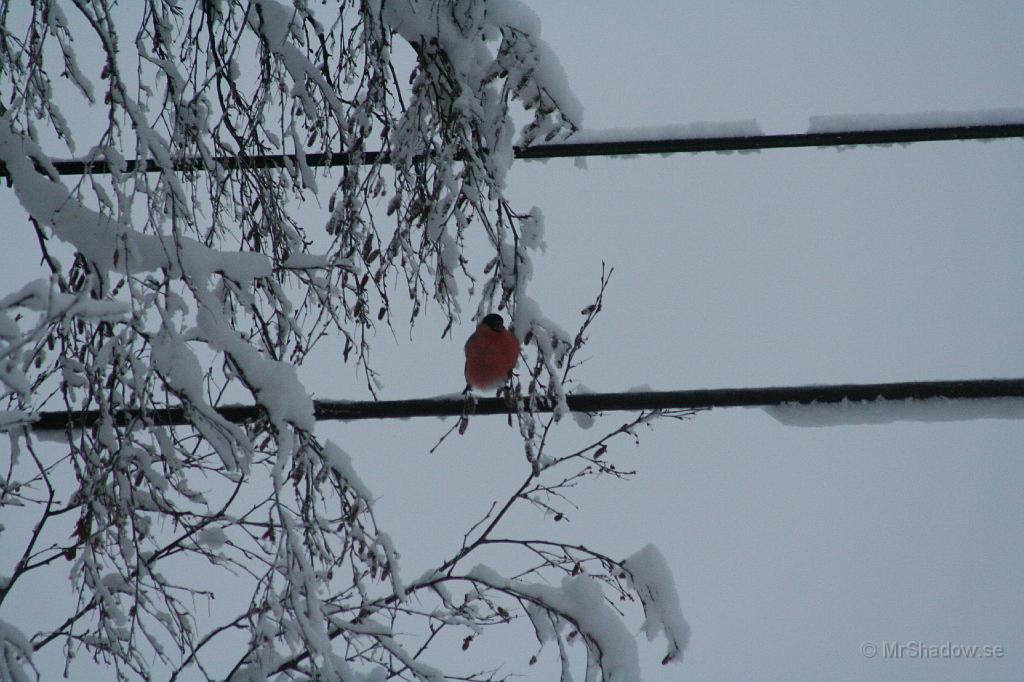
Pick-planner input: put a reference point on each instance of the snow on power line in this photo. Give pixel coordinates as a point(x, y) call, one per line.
point(730, 136)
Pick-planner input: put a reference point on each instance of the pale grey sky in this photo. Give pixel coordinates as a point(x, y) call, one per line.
point(791, 547)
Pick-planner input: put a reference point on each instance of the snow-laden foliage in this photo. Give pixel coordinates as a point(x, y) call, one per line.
point(15, 654)
point(181, 279)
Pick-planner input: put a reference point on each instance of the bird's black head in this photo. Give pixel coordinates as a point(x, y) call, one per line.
point(494, 322)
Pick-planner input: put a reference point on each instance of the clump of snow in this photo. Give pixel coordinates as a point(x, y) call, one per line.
point(580, 601)
point(883, 411)
point(547, 69)
point(584, 420)
point(15, 653)
point(341, 462)
point(275, 383)
point(649, 575)
point(390, 559)
point(305, 261)
point(41, 295)
point(10, 419)
point(532, 230)
point(180, 368)
point(543, 628)
point(924, 119)
point(212, 537)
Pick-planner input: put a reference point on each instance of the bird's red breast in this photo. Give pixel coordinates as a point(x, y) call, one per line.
point(491, 353)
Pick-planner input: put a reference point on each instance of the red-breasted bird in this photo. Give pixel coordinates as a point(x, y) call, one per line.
point(491, 353)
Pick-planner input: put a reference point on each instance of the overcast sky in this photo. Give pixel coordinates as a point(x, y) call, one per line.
point(791, 547)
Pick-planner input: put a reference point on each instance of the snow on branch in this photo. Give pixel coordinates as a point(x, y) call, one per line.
point(15, 654)
point(110, 246)
point(649, 575)
point(579, 603)
point(180, 277)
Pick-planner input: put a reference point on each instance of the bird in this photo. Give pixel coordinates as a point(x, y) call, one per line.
point(492, 352)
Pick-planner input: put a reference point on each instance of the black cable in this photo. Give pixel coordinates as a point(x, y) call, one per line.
point(578, 149)
point(699, 399)
point(754, 142)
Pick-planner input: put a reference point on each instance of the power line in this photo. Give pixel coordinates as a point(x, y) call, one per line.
point(699, 399)
point(756, 142)
point(847, 138)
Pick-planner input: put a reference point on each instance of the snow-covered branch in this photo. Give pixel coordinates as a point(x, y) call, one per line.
point(196, 285)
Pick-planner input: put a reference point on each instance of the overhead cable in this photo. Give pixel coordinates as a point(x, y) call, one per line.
point(570, 149)
point(455, 405)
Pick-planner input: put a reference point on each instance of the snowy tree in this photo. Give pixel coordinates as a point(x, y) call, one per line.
point(175, 275)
